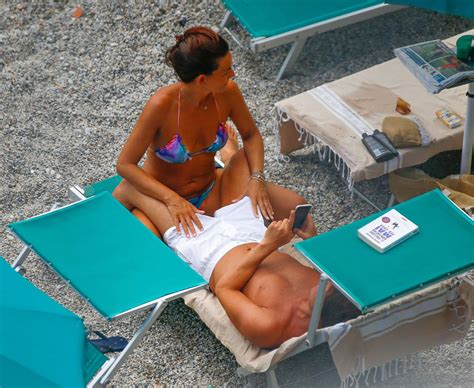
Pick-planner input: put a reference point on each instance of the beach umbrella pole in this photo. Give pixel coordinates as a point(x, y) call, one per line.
point(468, 139)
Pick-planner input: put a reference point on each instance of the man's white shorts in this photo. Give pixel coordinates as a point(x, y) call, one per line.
point(231, 226)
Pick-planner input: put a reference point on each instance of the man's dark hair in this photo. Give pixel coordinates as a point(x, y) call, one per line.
point(196, 52)
point(337, 308)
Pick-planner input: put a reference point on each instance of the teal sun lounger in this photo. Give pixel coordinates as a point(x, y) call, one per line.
point(277, 22)
point(111, 259)
point(41, 342)
point(442, 248)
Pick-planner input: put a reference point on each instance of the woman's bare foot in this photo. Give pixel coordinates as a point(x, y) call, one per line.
point(232, 145)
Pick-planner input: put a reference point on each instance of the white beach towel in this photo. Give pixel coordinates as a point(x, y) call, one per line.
point(332, 117)
point(437, 315)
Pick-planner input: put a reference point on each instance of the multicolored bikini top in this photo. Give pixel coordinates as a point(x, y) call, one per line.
point(176, 152)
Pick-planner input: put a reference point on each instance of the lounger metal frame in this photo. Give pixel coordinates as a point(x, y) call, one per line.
point(299, 36)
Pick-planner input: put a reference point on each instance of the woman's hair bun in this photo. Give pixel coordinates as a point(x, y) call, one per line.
point(196, 52)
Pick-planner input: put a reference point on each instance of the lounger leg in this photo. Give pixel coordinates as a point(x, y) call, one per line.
point(76, 193)
point(292, 56)
point(362, 196)
point(26, 251)
point(20, 259)
point(133, 342)
point(468, 138)
point(391, 201)
point(317, 308)
point(251, 381)
point(228, 20)
point(272, 381)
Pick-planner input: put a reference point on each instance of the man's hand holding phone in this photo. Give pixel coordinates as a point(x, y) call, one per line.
point(280, 232)
point(302, 226)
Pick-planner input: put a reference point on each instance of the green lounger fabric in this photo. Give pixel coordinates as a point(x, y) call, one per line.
point(41, 342)
point(263, 18)
point(443, 246)
point(107, 254)
point(108, 184)
point(464, 8)
point(94, 361)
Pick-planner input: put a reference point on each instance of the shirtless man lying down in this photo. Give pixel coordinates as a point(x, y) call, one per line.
point(267, 294)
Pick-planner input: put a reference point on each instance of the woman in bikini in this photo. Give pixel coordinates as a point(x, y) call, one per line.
point(181, 128)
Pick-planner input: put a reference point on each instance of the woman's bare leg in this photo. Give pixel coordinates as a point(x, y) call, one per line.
point(234, 181)
point(142, 217)
point(151, 212)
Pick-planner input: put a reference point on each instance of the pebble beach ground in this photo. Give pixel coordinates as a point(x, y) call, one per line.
point(71, 90)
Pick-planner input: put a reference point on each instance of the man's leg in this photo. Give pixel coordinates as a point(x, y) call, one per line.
point(284, 201)
point(232, 145)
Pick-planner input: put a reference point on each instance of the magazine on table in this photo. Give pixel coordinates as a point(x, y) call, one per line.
point(435, 65)
point(386, 231)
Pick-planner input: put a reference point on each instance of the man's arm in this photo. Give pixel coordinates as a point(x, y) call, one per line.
point(260, 325)
point(277, 234)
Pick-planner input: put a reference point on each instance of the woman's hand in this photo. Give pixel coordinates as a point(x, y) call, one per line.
point(257, 192)
point(184, 215)
point(279, 232)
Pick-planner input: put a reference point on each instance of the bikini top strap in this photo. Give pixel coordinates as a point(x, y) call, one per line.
point(217, 107)
point(179, 109)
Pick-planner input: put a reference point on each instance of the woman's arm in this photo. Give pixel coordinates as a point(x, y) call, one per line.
point(253, 148)
point(135, 147)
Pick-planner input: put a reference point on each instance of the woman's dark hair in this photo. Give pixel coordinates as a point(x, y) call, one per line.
point(196, 52)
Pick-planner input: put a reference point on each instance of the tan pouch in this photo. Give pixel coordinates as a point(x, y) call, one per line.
point(410, 182)
point(401, 131)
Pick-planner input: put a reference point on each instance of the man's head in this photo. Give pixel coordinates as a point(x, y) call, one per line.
point(337, 308)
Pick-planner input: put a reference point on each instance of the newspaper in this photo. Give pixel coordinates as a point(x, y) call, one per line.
point(435, 65)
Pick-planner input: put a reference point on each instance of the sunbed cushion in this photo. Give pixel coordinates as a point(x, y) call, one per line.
point(268, 18)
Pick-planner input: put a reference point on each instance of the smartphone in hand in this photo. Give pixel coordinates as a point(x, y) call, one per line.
point(301, 211)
